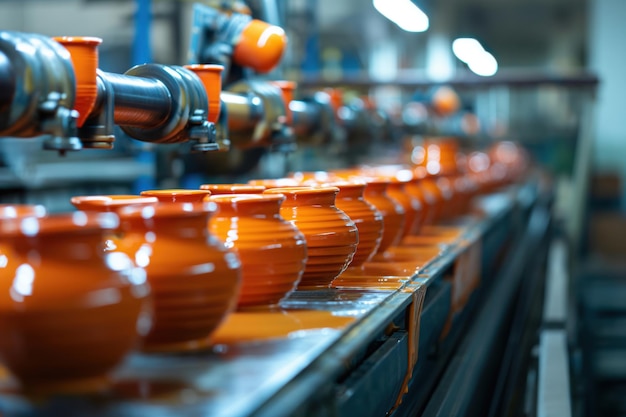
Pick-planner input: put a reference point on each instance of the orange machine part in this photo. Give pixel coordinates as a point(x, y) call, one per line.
point(84, 53)
point(211, 77)
point(287, 88)
point(260, 46)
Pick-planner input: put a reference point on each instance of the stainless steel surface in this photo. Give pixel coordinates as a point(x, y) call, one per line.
point(139, 101)
point(554, 384)
point(42, 87)
point(269, 129)
point(555, 306)
point(7, 77)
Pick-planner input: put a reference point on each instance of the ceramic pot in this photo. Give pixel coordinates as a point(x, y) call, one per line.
point(392, 211)
point(16, 211)
point(219, 189)
point(194, 277)
point(110, 203)
point(331, 236)
point(273, 251)
point(177, 195)
point(367, 219)
point(398, 190)
point(69, 312)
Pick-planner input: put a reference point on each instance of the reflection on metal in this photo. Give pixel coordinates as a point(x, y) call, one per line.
point(554, 386)
point(257, 116)
point(41, 78)
point(152, 103)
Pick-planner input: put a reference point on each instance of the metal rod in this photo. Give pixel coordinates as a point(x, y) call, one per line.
point(244, 111)
point(7, 82)
point(139, 102)
point(306, 117)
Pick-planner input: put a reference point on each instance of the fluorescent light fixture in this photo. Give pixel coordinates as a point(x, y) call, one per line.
point(484, 64)
point(403, 13)
point(479, 61)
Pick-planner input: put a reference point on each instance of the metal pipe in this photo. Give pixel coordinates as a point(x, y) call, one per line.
point(306, 117)
point(244, 111)
point(7, 82)
point(139, 102)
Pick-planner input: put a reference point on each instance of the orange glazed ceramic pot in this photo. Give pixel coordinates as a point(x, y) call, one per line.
point(367, 219)
point(69, 312)
point(392, 212)
point(177, 195)
point(193, 276)
point(219, 189)
point(397, 190)
point(272, 251)
point(331, 237)
point(16, 211)
point(110, 203)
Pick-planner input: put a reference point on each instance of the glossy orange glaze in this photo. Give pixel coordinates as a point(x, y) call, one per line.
point(331, 236)
point(260, 46)
point(16, 211)
point(110, 203)
point(194, 277)
point(437, 156)
point(434, 199)
point(219, 189)
point(367, 219)
point(359, 278)
point(449, 204)
point(392, 212)
point(435, 235)
point(84, 54)
point(177, 195)
point(412, 206)
point(211, 77)
point(243, 326)
point(69, 312)
point(272, 251)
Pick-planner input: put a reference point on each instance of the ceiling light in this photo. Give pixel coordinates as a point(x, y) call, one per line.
point(479, 61)
point(403, 13)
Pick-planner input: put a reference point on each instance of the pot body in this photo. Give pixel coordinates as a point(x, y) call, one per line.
point(69, 312)
point(194, 277)
point(331, 236)
point(273, 251)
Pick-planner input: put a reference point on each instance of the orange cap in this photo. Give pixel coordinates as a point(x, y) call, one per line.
point(260, 46)
point(211, 77)
point(287, 88)
point(84, 53)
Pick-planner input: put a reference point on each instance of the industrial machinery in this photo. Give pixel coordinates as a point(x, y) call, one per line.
point(421, 331)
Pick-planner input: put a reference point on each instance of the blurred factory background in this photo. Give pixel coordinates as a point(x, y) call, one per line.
point(551, 77)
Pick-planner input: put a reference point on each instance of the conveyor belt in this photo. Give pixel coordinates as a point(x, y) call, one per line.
point(343, 351)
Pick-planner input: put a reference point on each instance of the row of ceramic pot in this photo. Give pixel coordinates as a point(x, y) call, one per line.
point(80, 290)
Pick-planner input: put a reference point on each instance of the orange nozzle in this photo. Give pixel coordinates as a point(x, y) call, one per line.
point(84, 53)
point(260, 46)
point(287, 88)
point(211, 77)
